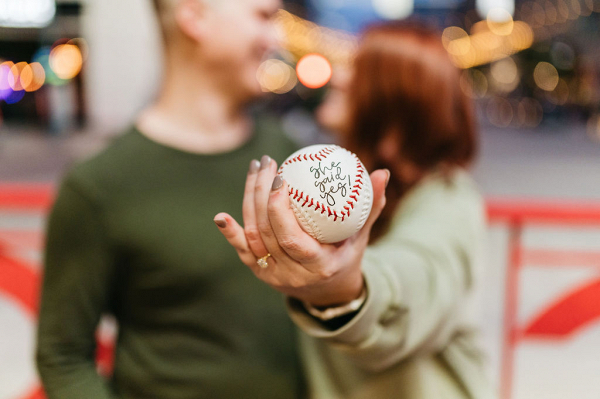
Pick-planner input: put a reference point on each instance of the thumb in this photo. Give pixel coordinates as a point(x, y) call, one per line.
point(379, 180)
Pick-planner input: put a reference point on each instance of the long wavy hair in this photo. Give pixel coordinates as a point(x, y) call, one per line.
point(405, 97)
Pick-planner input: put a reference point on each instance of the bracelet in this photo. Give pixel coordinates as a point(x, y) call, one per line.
point(332, 313)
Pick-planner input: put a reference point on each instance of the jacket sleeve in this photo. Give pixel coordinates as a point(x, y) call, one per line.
point(77, 282)
point(417, 278)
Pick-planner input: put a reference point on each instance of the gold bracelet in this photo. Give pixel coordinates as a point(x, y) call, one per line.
point(332, 313)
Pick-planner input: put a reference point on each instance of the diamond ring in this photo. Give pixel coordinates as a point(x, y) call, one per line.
point(262, 262)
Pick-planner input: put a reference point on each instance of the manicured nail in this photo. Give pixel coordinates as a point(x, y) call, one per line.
point(277, 183)
point(265, 161)
point(387, 180)
point(221, 223)
point(254, 166)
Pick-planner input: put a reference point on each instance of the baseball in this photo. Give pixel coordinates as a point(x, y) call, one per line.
point(330, 191)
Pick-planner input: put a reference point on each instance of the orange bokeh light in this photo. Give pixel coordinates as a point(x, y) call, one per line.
point(66, 61)
point(14, 80)
point(314, 71)
point(33, 76)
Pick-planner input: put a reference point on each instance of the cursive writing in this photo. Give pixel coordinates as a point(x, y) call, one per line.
point(330, 180)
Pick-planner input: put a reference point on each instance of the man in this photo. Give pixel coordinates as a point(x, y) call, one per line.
point(131, 232)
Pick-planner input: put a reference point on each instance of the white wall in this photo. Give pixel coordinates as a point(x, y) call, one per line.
point(124, 60)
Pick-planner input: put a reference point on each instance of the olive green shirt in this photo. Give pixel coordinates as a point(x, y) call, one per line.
point(132, 234)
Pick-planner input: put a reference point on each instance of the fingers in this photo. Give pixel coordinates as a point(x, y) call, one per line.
point(262, 189)
point(253, 236)
point(379, 180)
point(234, 234)
point(290, 236)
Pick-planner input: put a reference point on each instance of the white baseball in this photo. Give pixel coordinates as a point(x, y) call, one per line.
point(330, 191)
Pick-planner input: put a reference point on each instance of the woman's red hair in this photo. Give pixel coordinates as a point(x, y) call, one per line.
point(405, 85)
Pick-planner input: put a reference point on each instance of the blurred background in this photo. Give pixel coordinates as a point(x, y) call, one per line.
point(74, 73)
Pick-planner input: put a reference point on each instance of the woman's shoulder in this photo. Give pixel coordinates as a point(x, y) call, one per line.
point(441, 203)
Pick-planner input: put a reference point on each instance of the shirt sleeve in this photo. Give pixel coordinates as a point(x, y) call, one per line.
point(417, 280)
point(78, 277)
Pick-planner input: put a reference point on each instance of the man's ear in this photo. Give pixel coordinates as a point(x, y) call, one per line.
point(190, 16)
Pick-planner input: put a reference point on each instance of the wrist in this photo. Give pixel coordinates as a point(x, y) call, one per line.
point(326, 313)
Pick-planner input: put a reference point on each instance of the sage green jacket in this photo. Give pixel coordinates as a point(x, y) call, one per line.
point(414, 337)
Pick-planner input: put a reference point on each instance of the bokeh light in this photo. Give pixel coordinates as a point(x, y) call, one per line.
point(33, 76)
point(551, 13)
point(499, 112)
point(529, 112)
point(15, 96)
point(42, 56)
point(575, 8)
point(560, 94)
point(505, 75)
point(587, 8)
point(314, 71)
point(66, 61)
point(473, 83)
point(5, 89)
point(393, 9)
point(545, 76)
point(484, 46)
point(593, 127)
point(14, 80)
point(82, 45)
point(562, 55)
point(456, 41)
point(276, 76)
point(5, 68)
point(484, 7)
point(500, 22)
point(301, 37)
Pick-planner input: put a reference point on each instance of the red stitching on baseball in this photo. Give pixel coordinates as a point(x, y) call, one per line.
point(300, 195)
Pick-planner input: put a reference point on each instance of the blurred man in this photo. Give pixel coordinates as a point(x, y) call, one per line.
point(131, 232)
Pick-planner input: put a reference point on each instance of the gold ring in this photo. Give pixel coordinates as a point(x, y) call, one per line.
point(262, 262)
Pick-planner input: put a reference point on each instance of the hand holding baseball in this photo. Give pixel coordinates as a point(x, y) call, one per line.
point(298, 265)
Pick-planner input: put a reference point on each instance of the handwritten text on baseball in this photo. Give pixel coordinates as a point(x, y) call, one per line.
point(330, 180)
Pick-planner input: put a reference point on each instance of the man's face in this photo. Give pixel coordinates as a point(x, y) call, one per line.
point(241, 33)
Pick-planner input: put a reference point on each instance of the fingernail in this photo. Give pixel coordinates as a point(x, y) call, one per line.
point(254, 166)
point(277, 183)
point(387, 180)
point(221, 222)
point(265, 161)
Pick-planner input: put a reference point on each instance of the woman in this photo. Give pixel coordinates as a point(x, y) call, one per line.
point(400, 108)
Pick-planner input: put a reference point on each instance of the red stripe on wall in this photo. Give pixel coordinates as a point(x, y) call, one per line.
point(568, 314)
point(29, 196)
point(21, 282)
